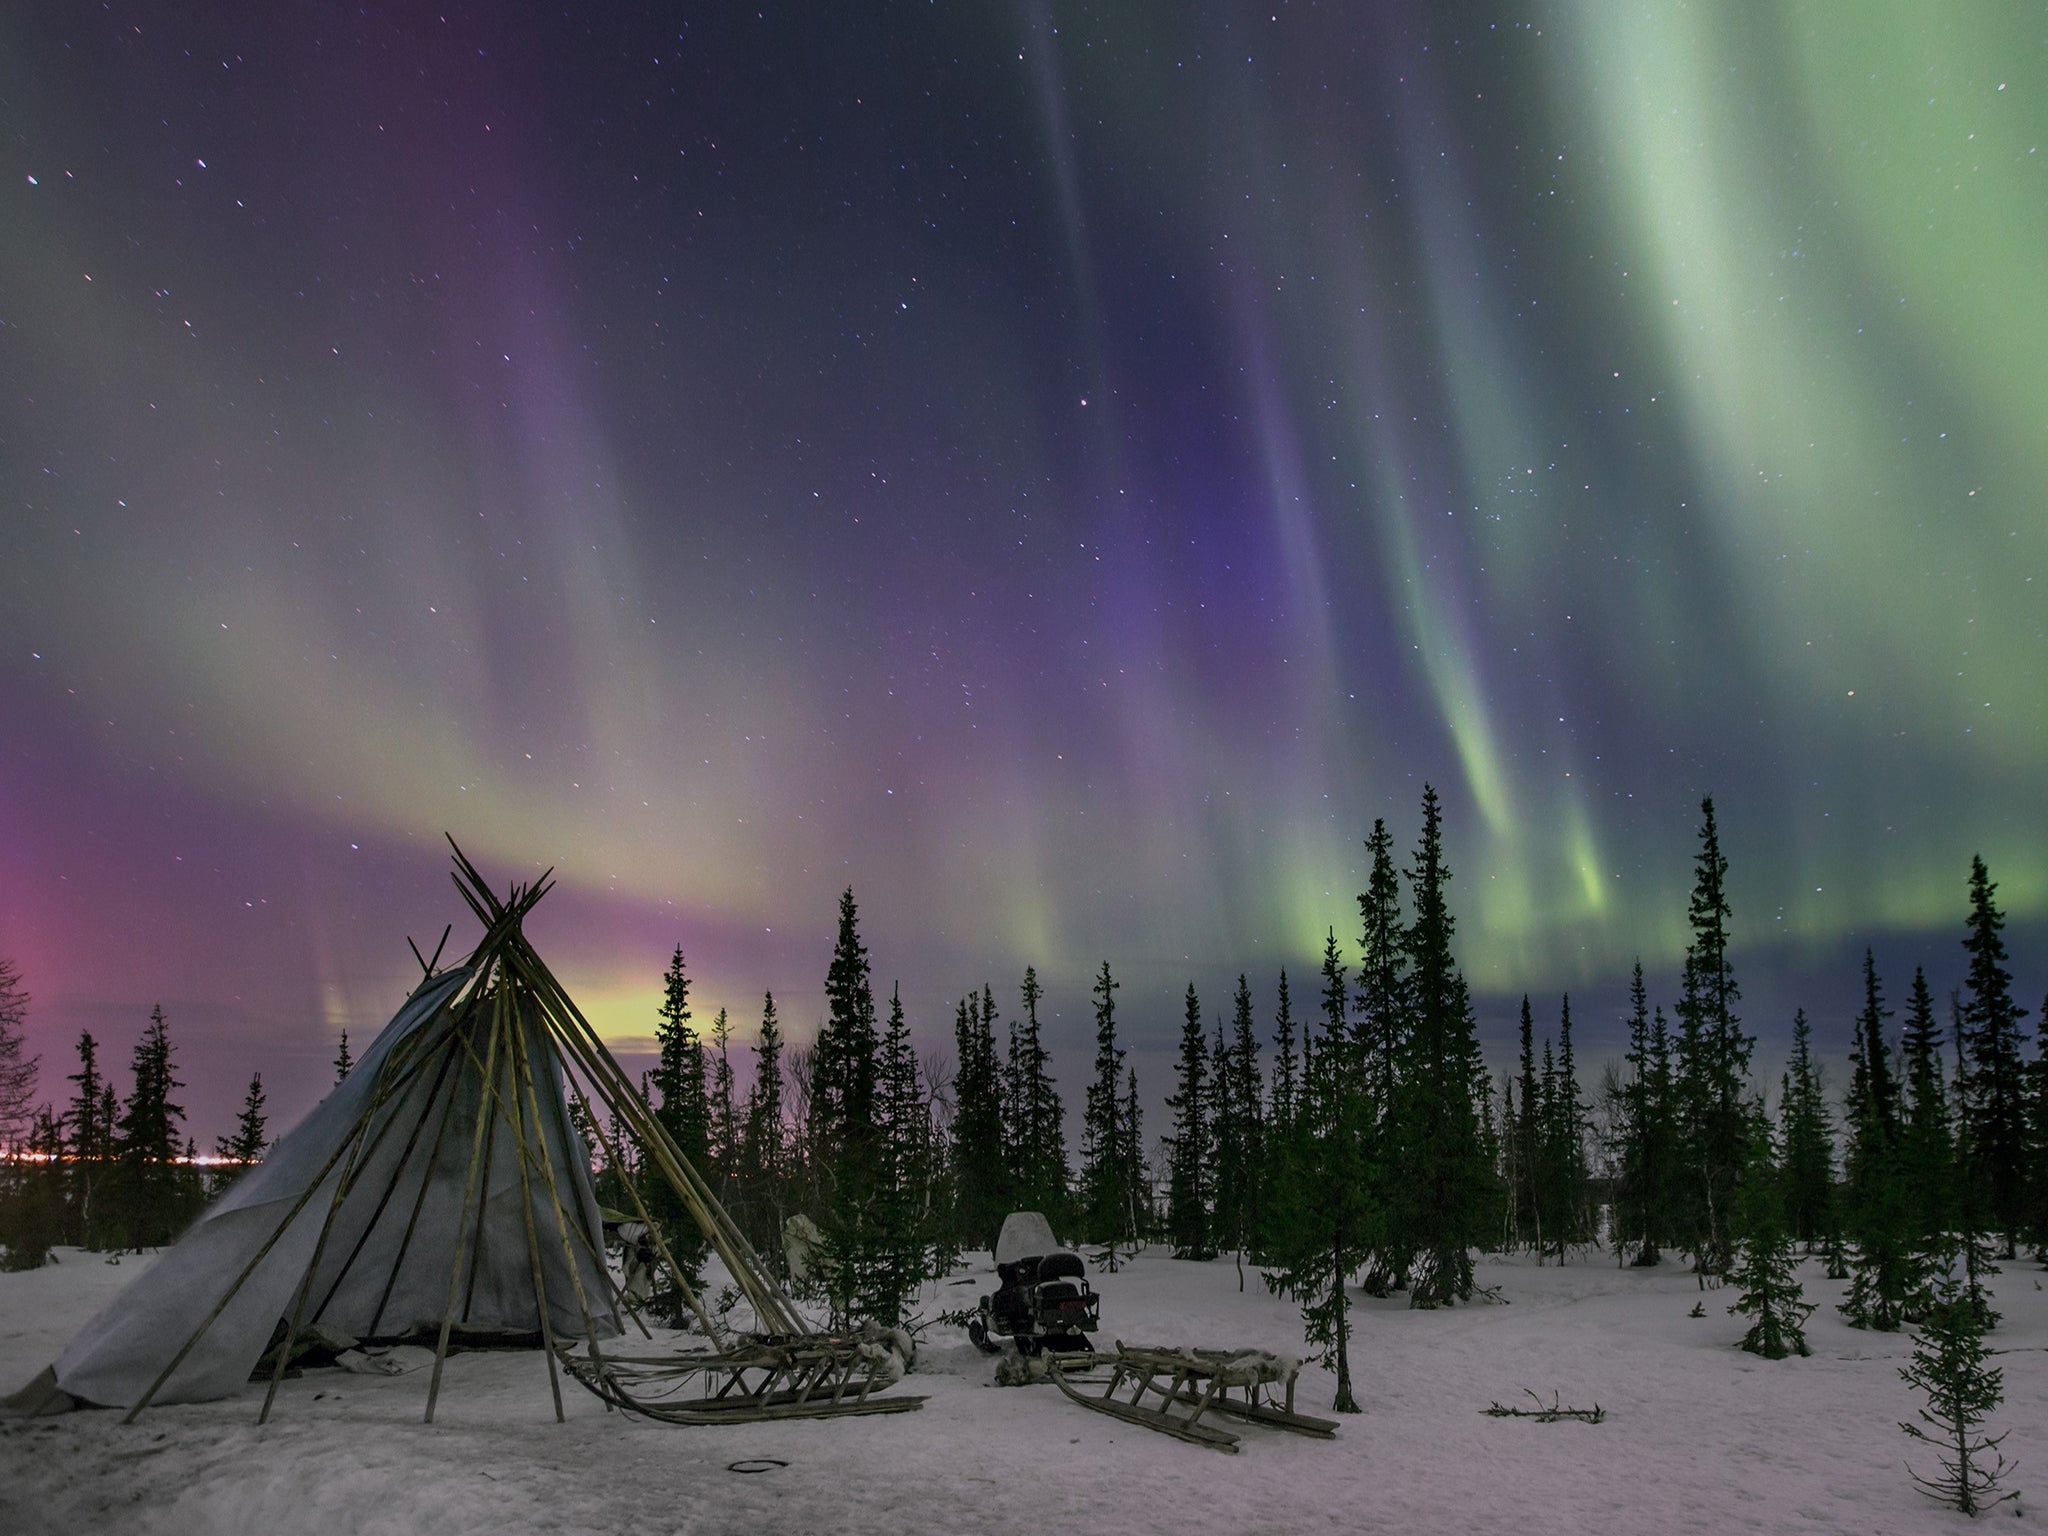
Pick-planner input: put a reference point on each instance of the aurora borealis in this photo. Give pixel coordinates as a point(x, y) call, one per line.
point(1061, 470)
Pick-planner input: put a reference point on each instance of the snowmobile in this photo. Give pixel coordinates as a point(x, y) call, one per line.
point(1043, 1301)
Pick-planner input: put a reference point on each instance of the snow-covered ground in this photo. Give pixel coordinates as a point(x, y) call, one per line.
point(1698, 1435)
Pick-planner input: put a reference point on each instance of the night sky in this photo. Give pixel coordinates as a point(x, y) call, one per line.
point(1061, 470)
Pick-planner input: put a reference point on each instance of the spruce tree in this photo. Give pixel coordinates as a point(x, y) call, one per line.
point(1765, 1270)
point(1547, 1176)
point(32, 1195)
point(1321, 1232)
point(244, 1149)
point(1137, 1179)
point(1809, 1163)
point(1526, 1137)
point(897, 1254)
point(980, 1183)
point(1968, 1249)
point(722, 1110)
point(1886, 1279)
point(88, 1125)
point(764, 1142)
point(1495, 1200)
point(843, 1141)
point(1286, 1069)
point(1994, 1108)
point(1950, 1370)
point(1189, 1147)
point(1103, 1173)
point(1240, 1149)
point(1039, 1150)
point(1573, 1226)
point(148, 1141)
point(1713, 1063)
point(1643, 1194)
point(1378, 1045)
point(1927, 1152)
point(344, 1063)
point(678, 1079)
point(1438, 1117)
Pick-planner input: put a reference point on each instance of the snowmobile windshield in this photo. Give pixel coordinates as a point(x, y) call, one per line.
point(1025, 1235)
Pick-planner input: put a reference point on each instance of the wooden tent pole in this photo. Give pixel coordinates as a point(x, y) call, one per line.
point(712, 1216)
point(772, 1309)
point(576, 1033)
point(559, 1105)
point(483, 1199)
point(305, 1198)
point(653, 1227)
point(391, 1187)
point(772, 1306)
point(507, 1021)
point(547, 1168)
point(420, 1200)
point(528, 1156)
point(476, 1148)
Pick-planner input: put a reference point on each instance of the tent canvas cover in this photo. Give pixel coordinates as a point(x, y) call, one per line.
point(413, 1106)
point(441, 1184)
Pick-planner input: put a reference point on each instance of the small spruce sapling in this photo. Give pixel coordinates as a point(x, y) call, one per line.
point(1771, 1296)
point(1949, 1369)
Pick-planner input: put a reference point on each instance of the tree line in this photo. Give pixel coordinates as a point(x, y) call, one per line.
point(106, 1172)
point(1362, 1143)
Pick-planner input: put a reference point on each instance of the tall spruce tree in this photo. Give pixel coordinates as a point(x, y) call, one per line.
point(764, 1143)
point(1995, 1106)
point(244, 1149)
point(1713, 1064)
point(156, 1200)
point(88, 1127)
point(1321, 1234)
point(1968, 1248)
point(1646, 1202)
point(344, 1063)
point(678, 1079)
point(897, 1253)
point(722, 1112)
point(1926, 1149)
point(980, 1181)
point(1039, 1146)
point(1438, 1114)
point(1286, 1093)
point(1190, 1146)
point(843, 1136)
point(1525, 1137)
point(1380, 1036)
point(1635, 1195)
point(1571, 1175)
point(1239, 1133)
point(1886, 1279)
point(1103, 1174)
point(1283, 1148)
point(1137, 1180)
point(1808, 1171)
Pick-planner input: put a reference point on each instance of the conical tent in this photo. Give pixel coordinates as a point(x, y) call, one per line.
point(440, 1185)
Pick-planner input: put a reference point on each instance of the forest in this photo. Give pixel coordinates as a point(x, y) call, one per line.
point(1354, 1139)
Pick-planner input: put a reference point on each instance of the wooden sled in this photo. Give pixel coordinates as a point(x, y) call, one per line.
point(811, 1376)
point(1191, 1384)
